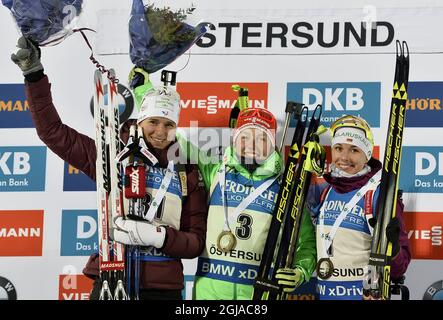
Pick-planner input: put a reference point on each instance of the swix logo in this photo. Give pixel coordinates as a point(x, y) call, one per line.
point(74, 287)
point(135, 181)
point(7, 290)
point(79, 235)
point(22, 168)
point(425, 233)
point(425, 104)
point(210, 104)
point(427, 164)
point(75, 180)
point(14, 108)
point(339, 98)
point(21, 233)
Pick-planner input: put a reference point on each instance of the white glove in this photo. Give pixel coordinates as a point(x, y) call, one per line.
point(289, 279)
point(138, 233)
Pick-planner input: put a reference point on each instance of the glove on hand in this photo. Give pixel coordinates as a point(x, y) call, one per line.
point(289, 279)
point(28, 56)
point(138, 77)
point(139, 83)
point(138, 233)
point(393, 235)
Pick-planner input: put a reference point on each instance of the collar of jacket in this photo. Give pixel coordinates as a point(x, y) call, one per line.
point(160, 154)
point(344, 185)
point(271, 167)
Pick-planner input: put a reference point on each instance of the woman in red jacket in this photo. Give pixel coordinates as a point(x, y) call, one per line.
point(180, 231)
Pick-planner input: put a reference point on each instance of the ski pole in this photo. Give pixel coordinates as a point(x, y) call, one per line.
point(241, 104)
point(291, 110)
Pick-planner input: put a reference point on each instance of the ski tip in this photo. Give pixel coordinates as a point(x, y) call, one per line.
point(317, 112)
point(399, 48)
point(97, 74)
point(405, 49)
point(304, 114)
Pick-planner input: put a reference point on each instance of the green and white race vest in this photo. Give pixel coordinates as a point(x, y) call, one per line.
point(250, 228)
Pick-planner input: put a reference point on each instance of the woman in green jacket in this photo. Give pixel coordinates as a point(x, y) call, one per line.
point(243, 189)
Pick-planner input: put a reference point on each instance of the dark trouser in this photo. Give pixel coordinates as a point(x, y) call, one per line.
point(145, 294)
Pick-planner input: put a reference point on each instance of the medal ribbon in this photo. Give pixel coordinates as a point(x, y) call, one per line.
point(161, 192)
point(246, 201)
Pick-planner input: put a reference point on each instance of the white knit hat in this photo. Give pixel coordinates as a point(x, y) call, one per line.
point(354, 136)
point(160, 102)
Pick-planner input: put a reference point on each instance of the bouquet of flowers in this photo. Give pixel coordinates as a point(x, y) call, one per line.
point(159, 35)
point(46, 22)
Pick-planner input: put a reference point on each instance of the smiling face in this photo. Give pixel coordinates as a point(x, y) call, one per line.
point(253, 143)
point(348, 157)
point(158, 131)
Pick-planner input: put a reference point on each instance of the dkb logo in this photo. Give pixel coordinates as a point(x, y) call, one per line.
point(79, 232)
point(339, 98)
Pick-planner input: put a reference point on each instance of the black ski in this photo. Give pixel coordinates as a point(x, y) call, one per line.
point(378, 282)
point(285, 216)
point(313, 154)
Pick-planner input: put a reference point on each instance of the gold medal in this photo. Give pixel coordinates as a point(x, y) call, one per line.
point(324, 268)
point(226, 241)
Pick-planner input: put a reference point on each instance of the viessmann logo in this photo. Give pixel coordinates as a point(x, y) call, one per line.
point(75, 180)
point(360, 99)
point(21, 233)
point(425, 233)
point(210, 103)
point(14, 108)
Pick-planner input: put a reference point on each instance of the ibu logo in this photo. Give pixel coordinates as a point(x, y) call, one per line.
point(427, 165)
point(79, 233)
point(22, 169)
point(339, 98)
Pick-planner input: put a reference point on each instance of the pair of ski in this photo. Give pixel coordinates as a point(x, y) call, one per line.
point(305, 157)
point(377, 285)
point(111, 190)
